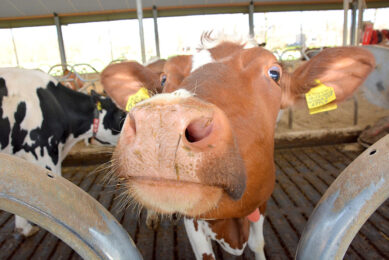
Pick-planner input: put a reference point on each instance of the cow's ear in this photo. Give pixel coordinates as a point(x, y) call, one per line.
point(122, 80)
point(343, 69)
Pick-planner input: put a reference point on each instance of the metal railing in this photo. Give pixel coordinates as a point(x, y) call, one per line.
point(63, 209)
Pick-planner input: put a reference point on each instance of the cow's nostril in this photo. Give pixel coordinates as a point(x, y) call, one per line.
point(198, 129)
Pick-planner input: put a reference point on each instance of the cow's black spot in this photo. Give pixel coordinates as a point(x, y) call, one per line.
point(380, 86)
point(5, 127)
point(18, 134)
point(48, 167)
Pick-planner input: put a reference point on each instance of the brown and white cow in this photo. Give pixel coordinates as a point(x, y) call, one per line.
point(204, 147)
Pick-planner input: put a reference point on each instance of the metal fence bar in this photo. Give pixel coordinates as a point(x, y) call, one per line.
point(251, 19)
point(63, 209)
point(347, 204)
point(156, 35)
point(60, 41)
point(345, 21)
point(139, 12)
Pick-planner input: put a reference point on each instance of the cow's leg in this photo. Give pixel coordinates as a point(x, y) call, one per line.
point(256, 240)
point(200, 241)
point(22, 225)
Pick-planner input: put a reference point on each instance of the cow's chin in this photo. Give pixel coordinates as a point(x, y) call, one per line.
point(169, 196)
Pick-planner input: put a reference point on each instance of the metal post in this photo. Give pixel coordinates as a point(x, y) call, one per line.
point(155, 16)
point(354, 6)
point(139, 12)
point(60, 41)
point(15, 50)
point(345, 29)
point(251, 19)
point(361, 6)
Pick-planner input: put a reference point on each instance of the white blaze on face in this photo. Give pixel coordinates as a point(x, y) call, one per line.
point(201, 58)
point(167, 97)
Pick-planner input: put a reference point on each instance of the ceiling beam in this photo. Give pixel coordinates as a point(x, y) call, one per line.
point(69, 18)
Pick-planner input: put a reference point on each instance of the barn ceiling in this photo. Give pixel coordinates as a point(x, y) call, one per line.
point(17, 13)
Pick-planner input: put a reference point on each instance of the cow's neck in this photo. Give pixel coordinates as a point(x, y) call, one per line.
point(78, 109)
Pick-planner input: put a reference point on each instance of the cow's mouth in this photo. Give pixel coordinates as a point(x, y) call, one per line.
point(172, 196)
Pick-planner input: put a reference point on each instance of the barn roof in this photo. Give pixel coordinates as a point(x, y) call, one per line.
point(19, 13)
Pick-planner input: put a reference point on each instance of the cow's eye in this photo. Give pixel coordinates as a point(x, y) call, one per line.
point(163, 80)
point(275, 73)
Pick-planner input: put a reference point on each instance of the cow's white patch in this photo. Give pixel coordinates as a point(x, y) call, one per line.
point(167, 97)
point(201, 58)
point(211, 40)
point(256, 241)
point(208, 231)
point(201, 238)
point(201, 243)
point(24, 227)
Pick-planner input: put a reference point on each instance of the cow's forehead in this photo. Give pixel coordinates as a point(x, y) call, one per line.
point(222, 53)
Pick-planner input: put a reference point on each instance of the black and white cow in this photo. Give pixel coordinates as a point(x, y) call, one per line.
point(40, 120)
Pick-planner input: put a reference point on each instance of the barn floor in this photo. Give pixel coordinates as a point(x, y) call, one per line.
point(303, 175)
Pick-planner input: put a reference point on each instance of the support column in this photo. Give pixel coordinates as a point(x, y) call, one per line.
point(345, 28)
point(155, 16)
point(361, 7)
point(354, 6)
point(139, 12)
point(251, 19)
point(15, 50)
point(60, 41)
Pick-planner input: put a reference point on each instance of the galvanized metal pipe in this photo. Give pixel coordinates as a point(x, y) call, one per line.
point(251, 19)
point(345, 28)
point(361, 6)
point(63, 209)
point(353, 38)
point(347, 204)
point(14, 47)
point(60, 41)
point(156, 35)
point(139, 12)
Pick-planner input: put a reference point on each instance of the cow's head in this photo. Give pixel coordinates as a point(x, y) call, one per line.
point(109, 120)
point(204, 147)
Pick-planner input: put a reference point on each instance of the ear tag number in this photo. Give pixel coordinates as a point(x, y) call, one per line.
point(139, 96)
point(319, 99)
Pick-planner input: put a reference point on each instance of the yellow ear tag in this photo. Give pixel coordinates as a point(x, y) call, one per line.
point(139, 96)
point(319, 99)
point(98, 105)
